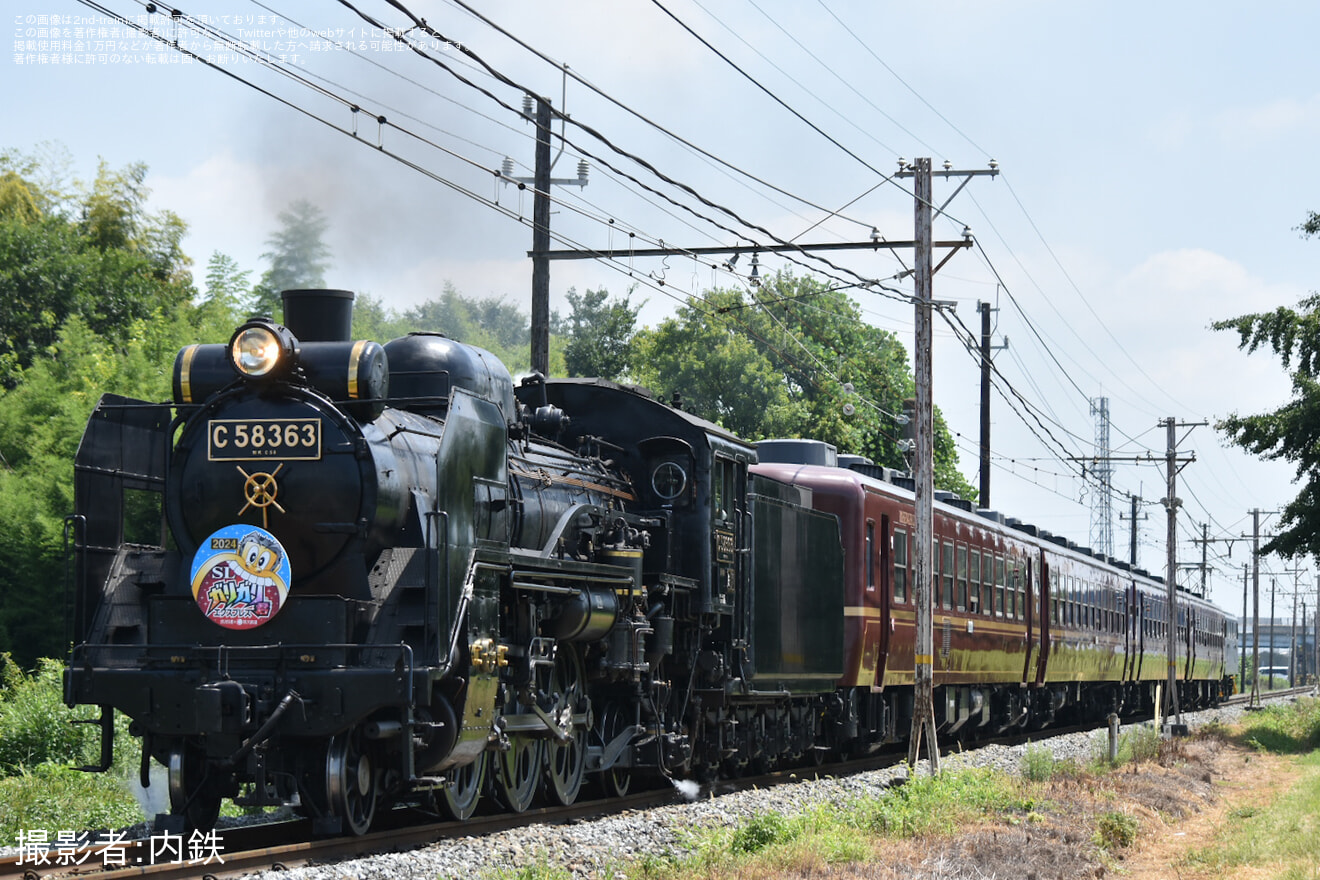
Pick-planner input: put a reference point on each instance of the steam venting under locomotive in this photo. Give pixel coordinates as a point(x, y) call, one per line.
point(342, 575)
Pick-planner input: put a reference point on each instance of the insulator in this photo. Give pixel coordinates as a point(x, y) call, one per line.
point(527, 106)
point(583, 167)
point(506, 167)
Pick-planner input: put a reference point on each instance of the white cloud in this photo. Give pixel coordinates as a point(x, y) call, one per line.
point(216, 198)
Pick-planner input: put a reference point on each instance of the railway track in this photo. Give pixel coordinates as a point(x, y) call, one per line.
point(248, 849)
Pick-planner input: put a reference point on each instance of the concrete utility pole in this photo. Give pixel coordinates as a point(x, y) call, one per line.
point(1171, 504)
point(541, 243)
point(983, 499)
point(1292, 641)
point(1255, 609)
point(1242, 649)
point(1273, 590)
point(541, 182)
point(1171, 574)
point(1132, 539)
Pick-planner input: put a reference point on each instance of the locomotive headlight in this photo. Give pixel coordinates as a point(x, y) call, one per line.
point(260, 349)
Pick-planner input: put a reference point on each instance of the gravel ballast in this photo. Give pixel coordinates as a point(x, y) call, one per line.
point(589, 849)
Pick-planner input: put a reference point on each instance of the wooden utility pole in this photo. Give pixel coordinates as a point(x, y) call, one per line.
point(924, 212)
point(923, 718)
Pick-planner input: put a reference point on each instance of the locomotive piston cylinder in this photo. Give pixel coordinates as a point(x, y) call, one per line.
point(584, 617)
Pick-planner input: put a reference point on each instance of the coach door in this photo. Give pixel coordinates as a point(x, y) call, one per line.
point(1042, 609)
point(1189, 633)
point(1138, 631)
point(881, 627)
point(1130, 632)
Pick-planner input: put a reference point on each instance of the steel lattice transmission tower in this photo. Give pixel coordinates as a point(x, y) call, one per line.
point(1102, 511)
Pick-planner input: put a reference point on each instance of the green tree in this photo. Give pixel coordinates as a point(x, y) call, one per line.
point(298, 257)
point(227, 289)
point(41, 425)
point(1291, 432)
point(717, 373)
point(599, 333)
point(791, 359)
point(491, 323)
point(96, 254)
point(373, 320)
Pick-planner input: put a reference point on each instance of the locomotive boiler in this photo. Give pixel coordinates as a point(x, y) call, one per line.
point(339, 575)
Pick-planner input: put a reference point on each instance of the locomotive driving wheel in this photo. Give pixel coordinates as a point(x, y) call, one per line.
point(616, 781)
point(565, 762)
point(351, 781)
point(458, 800)
point(193, 794)
point(517, 772)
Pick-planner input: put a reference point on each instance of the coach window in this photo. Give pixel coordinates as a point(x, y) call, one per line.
point(1071, 602)
point(1019, 592)
point(1010, 599)
point(948, 574)
point(988, 584)
point(999, 586)
point(900, 565)
point(1010, 593)
point(961, 598)
point(870, 555)
point(936, 598)
point(974, 565)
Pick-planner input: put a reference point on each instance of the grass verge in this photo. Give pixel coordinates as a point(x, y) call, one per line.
point(1282, 838)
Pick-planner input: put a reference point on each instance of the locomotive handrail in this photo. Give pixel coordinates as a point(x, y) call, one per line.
point(548, 588)
point(73, 568)
point(121, 472)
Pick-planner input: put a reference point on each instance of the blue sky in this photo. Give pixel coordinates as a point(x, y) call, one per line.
point(1156, 160)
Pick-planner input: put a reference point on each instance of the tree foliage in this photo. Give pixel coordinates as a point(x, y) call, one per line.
point(492, 323)
point(96, 254)
point(1291, 432)
point(41, 424)
point(790, 359)
point(599, 333)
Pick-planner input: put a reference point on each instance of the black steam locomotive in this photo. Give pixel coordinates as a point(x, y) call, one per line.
point(338, 575)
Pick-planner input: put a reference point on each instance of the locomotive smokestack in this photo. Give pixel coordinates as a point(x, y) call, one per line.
point(319, 315)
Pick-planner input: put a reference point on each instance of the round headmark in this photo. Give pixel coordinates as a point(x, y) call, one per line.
point(240, 576)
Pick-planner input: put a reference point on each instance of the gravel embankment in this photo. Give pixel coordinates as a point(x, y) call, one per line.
point(587, 848)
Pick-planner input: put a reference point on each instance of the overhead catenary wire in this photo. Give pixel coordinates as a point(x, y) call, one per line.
point(593, 132)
